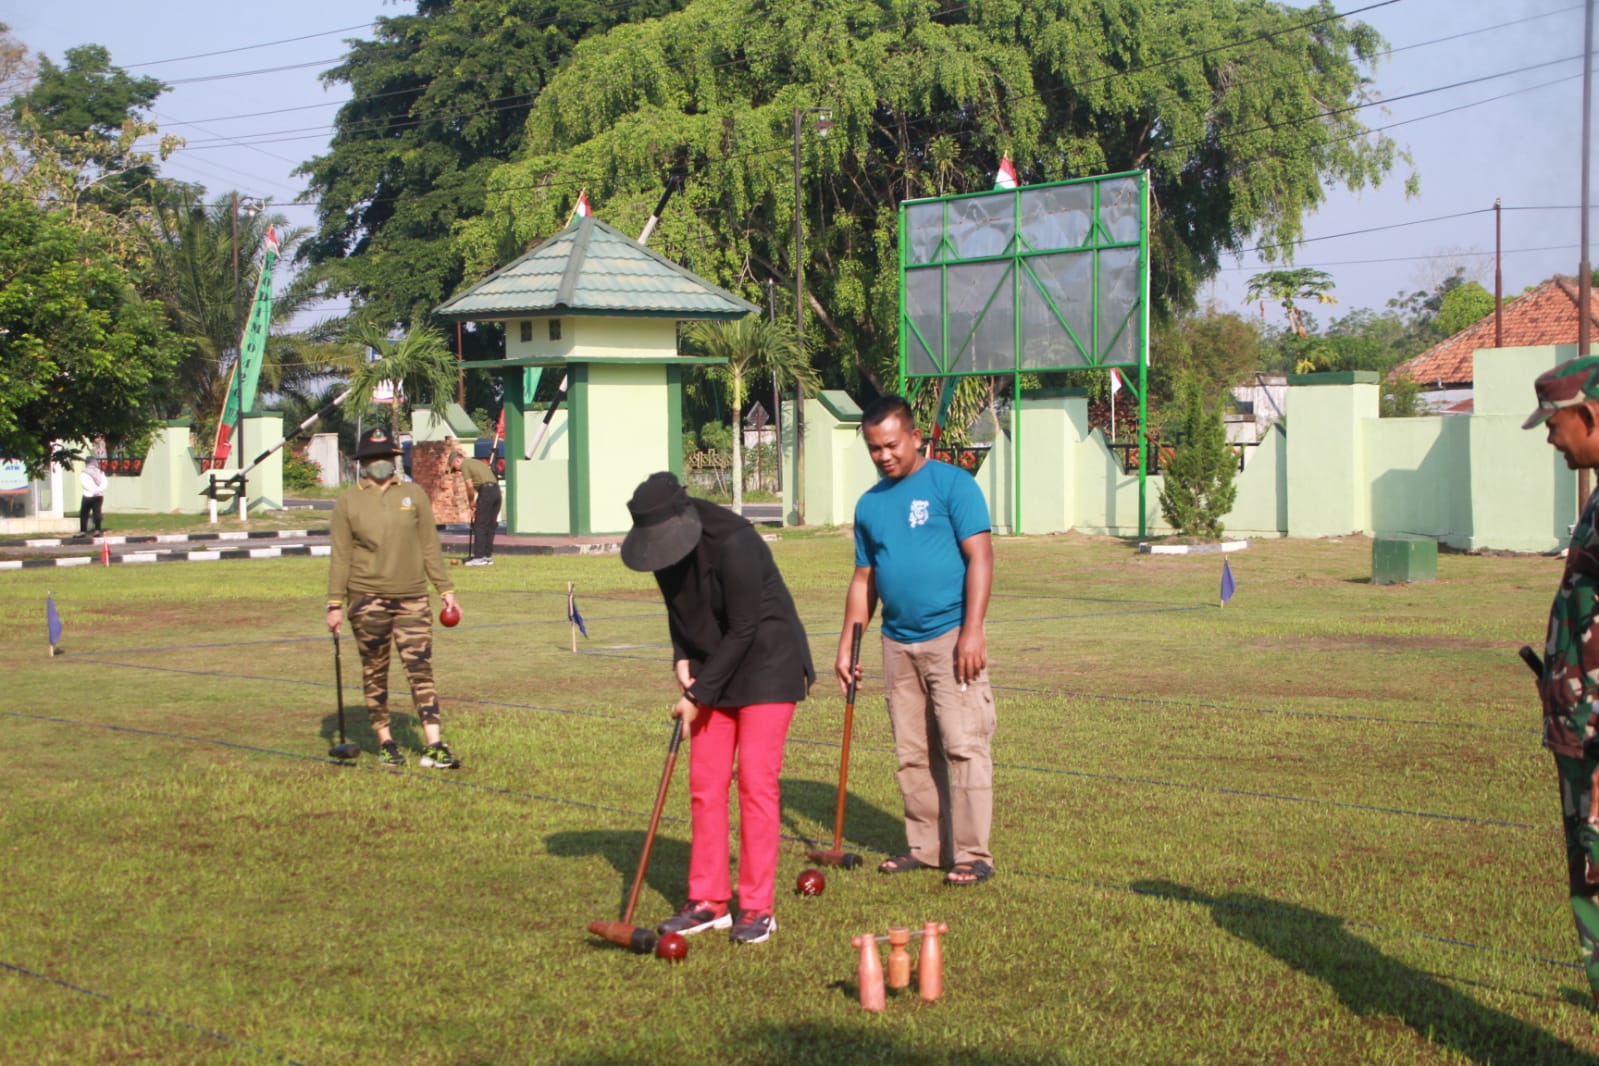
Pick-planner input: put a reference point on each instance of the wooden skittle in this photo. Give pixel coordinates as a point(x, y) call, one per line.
point(930, 967)
point(869, 974)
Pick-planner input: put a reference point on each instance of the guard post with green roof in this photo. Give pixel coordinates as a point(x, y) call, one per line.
point(593, 304)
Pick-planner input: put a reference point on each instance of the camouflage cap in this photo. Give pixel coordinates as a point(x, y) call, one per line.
point(1572, 382)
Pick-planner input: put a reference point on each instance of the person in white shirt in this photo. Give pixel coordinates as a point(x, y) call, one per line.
point(93, 483)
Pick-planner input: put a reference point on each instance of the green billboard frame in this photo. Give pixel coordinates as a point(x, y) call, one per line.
point(1033, 279)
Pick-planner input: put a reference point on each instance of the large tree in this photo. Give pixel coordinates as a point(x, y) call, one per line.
point(87, 106)
point(82, 354)
point(440, 99)
point(1243, 112)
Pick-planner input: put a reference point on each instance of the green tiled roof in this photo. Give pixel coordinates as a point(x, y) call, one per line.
point(591, 269)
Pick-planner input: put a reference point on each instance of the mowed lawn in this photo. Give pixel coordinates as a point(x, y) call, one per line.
point(1314, 826)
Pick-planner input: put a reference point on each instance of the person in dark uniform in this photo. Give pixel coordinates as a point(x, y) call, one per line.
point(483, 490)
point(385, 551)
point(742, 662)
point(1568, 404)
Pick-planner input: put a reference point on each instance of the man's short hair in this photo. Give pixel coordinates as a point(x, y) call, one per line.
point(885, 407)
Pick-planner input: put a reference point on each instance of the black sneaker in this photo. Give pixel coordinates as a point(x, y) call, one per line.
point(753, 927)
point(389, 754)
point(696, 916)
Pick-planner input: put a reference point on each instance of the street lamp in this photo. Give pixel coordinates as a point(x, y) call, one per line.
point(822, 126)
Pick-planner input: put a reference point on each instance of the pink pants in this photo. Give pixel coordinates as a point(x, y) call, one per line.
point(757, 733)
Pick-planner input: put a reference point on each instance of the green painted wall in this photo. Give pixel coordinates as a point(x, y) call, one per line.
point(629, 438)
point(1327, 476)
point(1523, 497)
point(171, 481)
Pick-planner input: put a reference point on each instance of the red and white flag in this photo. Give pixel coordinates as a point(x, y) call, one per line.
point(1006, 177)
point(272, 240)
point(1115, 381)
point(582, 210)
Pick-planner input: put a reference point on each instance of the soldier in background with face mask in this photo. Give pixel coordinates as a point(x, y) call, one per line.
point(385, 552)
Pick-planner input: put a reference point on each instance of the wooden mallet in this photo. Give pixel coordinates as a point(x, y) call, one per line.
point(837, 857)
point(624, 932)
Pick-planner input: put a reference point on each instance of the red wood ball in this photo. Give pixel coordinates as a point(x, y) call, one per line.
point(810, 883)
point(450, 615)
point(673, 947)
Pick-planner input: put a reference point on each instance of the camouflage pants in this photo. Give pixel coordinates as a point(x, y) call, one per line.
point(374, 622)
point(1582, 854)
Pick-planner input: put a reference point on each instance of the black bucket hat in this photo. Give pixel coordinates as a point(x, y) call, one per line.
point(376, 444)
point(665, 524)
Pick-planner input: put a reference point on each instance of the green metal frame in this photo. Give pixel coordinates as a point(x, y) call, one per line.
point(1023, 246)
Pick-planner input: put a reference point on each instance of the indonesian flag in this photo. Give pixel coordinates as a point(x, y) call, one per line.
point(1115, 381)
point(272, 240)
point(582, 210)
point(499, 428)
point(1006, 178)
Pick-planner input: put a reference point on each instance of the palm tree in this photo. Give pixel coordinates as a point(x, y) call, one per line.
point(751, 345)
point(420, 363)
point(191, 249)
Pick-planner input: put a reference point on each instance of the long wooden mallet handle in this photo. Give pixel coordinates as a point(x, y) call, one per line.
point(849, 728)
point(655, 820)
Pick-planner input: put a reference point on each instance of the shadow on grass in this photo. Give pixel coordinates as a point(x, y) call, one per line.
point(406, 730)
point(864, 824)
point(824, 1044)
point(1371, 983)
point(667, 874)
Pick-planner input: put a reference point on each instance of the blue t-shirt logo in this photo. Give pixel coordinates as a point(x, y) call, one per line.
point(918, 513)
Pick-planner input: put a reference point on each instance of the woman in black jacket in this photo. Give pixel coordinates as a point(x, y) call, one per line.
point(742, 663)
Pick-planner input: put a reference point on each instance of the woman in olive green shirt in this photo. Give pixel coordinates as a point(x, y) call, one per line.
point(385, 552)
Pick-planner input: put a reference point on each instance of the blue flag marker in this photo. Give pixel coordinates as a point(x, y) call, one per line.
point(575, 616)
point(1228, 587)
point(53, 620)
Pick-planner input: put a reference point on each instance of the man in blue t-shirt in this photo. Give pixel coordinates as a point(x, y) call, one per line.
point(922, 546)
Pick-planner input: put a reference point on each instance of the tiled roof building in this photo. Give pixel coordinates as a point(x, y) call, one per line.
point(1546, 315)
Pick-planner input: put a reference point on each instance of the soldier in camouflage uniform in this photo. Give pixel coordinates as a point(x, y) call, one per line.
point(1568, 401)
point(385, 551)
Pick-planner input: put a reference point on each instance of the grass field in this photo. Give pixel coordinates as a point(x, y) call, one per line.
point(1314, 826)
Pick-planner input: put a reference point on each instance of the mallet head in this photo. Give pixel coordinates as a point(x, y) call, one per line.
point(344, 752)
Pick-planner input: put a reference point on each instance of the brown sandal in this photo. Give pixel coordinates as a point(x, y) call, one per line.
point(901, 864)
point(968, 873)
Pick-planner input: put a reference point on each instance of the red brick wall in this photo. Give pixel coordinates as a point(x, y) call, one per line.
point(446, 491)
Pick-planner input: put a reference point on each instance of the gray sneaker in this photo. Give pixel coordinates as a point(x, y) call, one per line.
point(696, 916)
point(753, 927)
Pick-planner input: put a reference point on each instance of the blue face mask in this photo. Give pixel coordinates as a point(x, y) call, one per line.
point(379, 469)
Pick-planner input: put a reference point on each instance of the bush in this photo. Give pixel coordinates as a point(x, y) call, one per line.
point(300, 473)
point(1198, 487)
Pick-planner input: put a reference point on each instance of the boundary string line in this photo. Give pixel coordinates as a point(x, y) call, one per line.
point(791, 837)
point(1059, 771)
point(146, 1012)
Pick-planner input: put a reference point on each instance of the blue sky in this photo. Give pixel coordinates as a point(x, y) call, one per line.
point(1474, 136)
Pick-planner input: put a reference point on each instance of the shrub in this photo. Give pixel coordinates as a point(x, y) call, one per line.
point(1198, 487)
point(300, 473)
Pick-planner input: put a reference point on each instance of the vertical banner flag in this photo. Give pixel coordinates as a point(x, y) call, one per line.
point(1006, 177)
point(252, 349)
point(1228, 587)
point(53, 621)
point(582, 210)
